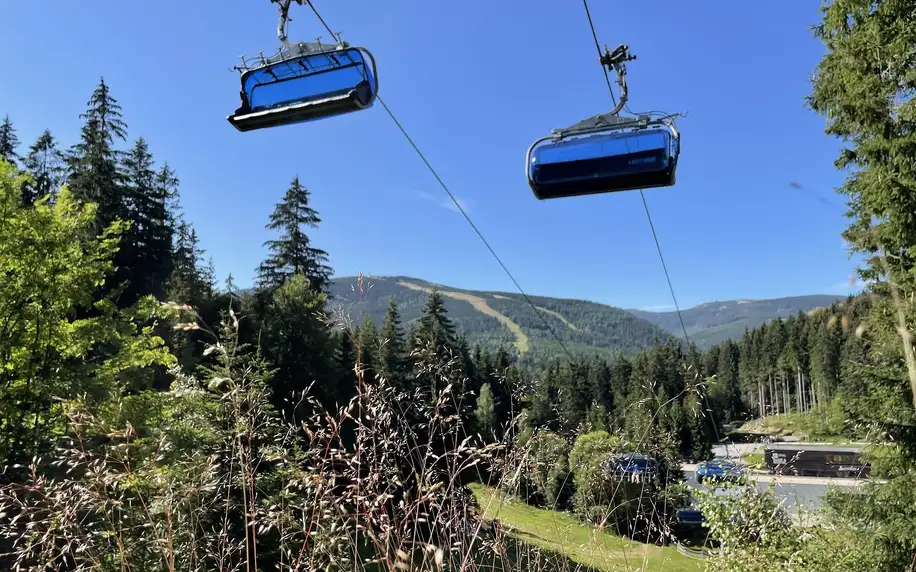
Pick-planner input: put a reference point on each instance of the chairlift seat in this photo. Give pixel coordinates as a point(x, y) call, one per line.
point(305, 83)
point(603, 154)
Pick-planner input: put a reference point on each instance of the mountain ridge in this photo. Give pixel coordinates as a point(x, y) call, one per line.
point(577, 326)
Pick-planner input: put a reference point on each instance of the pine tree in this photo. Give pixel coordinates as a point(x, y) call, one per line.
point(292, 253)
point(209, 279)
point(728, 377)
point(391, 358)
point(864, 86)
point(93, 162)
point(134, 254)
point(345, 362)
point(436, 329)
point(186, 283)
point(155, 214)
point(45, 163)
point(9, 141)
point(297, 342)
point(368, 348)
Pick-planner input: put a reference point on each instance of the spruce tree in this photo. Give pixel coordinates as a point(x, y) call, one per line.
point(9, 141)
point(139, 180)
point(292, 253)
point(367, 349)
point(94, 173)
point(728, 371)
point(298, 343)
point(45, 163)
point(436, 329)
point(391, 358)
point(864, 86)
point(150, 193)
point(186, 283)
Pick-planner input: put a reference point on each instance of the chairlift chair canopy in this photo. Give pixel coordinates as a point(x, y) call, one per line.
point(604, 154)
point(303, 83)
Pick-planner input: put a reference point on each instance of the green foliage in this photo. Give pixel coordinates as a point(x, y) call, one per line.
point(594, 491)
point(94, 173)
point(296, 341)
point(485, 413)
point(149, 240)
point(391, 359)
point(751, 532)
point(50, 320)
point(546, 470)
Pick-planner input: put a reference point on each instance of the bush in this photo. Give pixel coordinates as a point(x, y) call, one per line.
point(545, 479)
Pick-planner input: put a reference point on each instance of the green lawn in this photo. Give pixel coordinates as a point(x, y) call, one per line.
point(812, 426)
point(586, 545)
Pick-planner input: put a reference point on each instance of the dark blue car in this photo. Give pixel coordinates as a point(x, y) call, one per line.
point(632, 467)
point(690, 515)
point(718, 470)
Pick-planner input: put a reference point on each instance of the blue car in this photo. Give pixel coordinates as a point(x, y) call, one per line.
point(690, 515)
point(632, 467)
point(718, 470)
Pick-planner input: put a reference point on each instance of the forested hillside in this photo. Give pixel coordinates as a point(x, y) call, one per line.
point(714, 322)
point(584, 328)
point(495, 319)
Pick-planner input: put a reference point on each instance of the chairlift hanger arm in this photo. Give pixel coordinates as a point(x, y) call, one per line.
point(284, 16)
point(617, 60)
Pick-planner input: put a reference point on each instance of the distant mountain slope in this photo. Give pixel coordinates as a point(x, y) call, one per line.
point(711, 323)
point(499, 318)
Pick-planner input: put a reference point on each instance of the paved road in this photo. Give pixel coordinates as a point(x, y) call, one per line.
point(799, 495)
point(795, 492)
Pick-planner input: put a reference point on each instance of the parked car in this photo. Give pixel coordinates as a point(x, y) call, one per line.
point(690, 515)
point(633, 467)
point(718, 470)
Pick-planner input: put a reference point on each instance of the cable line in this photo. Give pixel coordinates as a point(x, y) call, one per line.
point(658, 246)
point(455, 200)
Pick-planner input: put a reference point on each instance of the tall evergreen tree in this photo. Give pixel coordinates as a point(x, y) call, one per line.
point(298, 342)
point(45, 163)
point(9, 141)
point(391, 359)
point(186, 284)
point(139, 180)
point(93, 162)
point(728, 370)
point(435, 329)
point(368, 348)
point(292, 253)
point(864, 85)
point(149, 192)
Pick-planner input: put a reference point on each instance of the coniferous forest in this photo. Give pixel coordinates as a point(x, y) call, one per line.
point(155, 417)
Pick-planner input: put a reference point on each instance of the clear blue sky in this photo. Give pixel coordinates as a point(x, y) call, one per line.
point(474, 83)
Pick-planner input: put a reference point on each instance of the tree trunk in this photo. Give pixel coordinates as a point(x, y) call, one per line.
point(786, 392)
point(760, 410)
point(774, 403)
